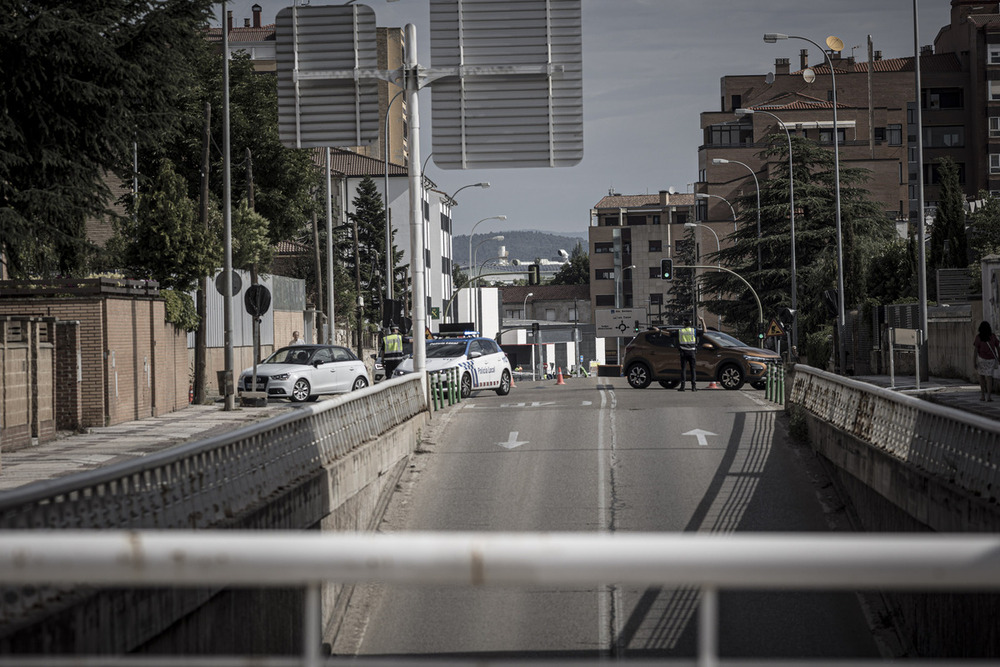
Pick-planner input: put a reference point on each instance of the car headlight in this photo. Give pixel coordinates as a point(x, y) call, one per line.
point(281, 376)
point(759, 360)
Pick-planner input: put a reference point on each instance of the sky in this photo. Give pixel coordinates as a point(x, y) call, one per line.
point(650, 68)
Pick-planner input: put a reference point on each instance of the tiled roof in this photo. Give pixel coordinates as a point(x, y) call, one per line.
point(291, 248)
point(639, 201)
point(795, 102)
point(985, 19)
point(242, 35)
point(354, 165)
point(517, 294)
point(931, 62)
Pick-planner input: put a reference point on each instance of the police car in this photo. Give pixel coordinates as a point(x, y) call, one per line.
point(482, 364)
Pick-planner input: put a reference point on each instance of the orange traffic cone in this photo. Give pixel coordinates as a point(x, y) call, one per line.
point(559, 379)
point(714, 385)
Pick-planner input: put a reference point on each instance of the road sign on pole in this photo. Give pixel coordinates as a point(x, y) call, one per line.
point(516, 96)
point(327, 64)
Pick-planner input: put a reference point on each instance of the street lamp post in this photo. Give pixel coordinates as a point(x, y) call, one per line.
point(703, 195)
point(385, 208)
point(482, 185)
point(720, 160)
point(479, 305)
point(791, 213)
point(524, 306)
point(836, 44)
point(718, 246)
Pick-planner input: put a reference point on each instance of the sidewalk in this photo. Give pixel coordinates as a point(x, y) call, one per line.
point(953, 393)
point(76, 452)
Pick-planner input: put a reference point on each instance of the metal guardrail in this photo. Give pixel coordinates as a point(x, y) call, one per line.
point(204, 484)
point(710, 562)
point(958, 446)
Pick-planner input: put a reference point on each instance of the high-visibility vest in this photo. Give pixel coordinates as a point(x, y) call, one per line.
point(688, 338)
point(393, 345)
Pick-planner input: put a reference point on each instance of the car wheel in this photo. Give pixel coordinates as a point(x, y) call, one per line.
point(668, 384)
point(300, 390)
point(466, 385)
point(504, 387)
point(759, 384)
point(731, 377)
point(359, 383)
point(638, 375)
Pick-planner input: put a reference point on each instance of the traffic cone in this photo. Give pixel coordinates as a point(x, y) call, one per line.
point(559, 379)
point(714, 385)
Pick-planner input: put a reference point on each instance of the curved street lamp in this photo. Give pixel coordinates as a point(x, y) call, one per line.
point(718, 246)
point(703, 195)
point(720, 160)
point(473, 232)
point(836, 44)
point(483, 185)
point(524, 306)
point(791, 210)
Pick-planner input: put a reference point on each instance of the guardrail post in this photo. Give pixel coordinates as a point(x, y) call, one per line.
point(769, 381)
point(455, 389)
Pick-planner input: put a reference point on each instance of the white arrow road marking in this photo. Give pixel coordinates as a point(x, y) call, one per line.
point(701, 435)
point(512, 441)
point(588, 403)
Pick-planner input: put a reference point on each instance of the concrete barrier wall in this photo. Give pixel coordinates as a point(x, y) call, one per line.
point(327, 466)
point(907, 465)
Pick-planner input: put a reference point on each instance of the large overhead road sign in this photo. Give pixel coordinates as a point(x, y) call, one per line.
point(327, 65)
point(517, 99)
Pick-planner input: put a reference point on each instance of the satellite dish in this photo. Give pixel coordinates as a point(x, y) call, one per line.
point(769, 79)
point(835, 43)
point(808, 75)
point(672, 190)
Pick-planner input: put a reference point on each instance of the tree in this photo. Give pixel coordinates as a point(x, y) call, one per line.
point(576, 271)
point(91, 79)
point(166, 240)
point(949, 248)
point(369, 215)
point(681, 288)
point(984, 227)
point(864, 228)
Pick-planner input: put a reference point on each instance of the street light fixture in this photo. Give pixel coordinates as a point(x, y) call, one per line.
point(524, 306)
point(720, 160)
point(718, 246)
point(484, 185)
point(703, 195)
point(479, 306)
point(791, 209)
point(835, 44)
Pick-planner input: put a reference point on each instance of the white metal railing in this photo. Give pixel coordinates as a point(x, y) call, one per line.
point(962, 448)
point(710, 562)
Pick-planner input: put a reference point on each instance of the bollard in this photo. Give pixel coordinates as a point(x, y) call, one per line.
point(433, 380)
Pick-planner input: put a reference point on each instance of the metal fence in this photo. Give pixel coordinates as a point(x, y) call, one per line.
point(961, 447)
point(775, 562)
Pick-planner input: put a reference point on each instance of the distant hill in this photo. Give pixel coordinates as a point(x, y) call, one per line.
point(523, 245)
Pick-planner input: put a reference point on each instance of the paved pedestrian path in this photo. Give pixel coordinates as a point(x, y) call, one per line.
point(71, 453)
point(954, 393)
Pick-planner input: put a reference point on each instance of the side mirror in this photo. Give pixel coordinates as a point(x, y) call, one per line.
point(475, 355)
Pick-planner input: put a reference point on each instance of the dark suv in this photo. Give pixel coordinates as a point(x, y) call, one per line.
point(653, 355)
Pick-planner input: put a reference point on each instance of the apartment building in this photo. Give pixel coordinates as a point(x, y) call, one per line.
point(876, 108)
point(628, 236)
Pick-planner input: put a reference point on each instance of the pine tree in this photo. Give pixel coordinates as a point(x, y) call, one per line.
point(369, 215)
point(949, 248)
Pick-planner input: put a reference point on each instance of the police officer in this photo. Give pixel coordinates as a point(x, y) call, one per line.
point(392, 352)
point(687, 339)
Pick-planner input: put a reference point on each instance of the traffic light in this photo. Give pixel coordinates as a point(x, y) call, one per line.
point(667, 269)
point(533, 275)
point(636, 328)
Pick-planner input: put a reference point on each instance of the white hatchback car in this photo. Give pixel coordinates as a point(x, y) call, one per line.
point(482, 363)
point(304, 372)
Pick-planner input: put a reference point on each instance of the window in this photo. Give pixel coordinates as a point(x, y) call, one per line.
point(995, 163)
point(894, 135)
point(826, 136)
point(994, 91)
point(656, 299)
point(656, 246)
point(943, 98)
point(681, 218)
point(994, 126)
point(634, 220)
point(550, 314)
point(736, 102)
point(993, 54)
point(654, 272)
point(656, 219)
point(932, 176)
point(949, 136)
point(573, 314)
point(603, 248)
point(604, 274)
point(726, 134)
point(604, 300)
point(879, 134)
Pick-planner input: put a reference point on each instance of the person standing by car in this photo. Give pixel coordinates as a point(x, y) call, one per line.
point(392, 352)
point(295, 339)
point(687, 342)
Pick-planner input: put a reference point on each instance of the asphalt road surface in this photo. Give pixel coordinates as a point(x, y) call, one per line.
point(596, 455)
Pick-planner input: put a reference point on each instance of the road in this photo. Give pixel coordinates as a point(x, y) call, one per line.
point(596, 455)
